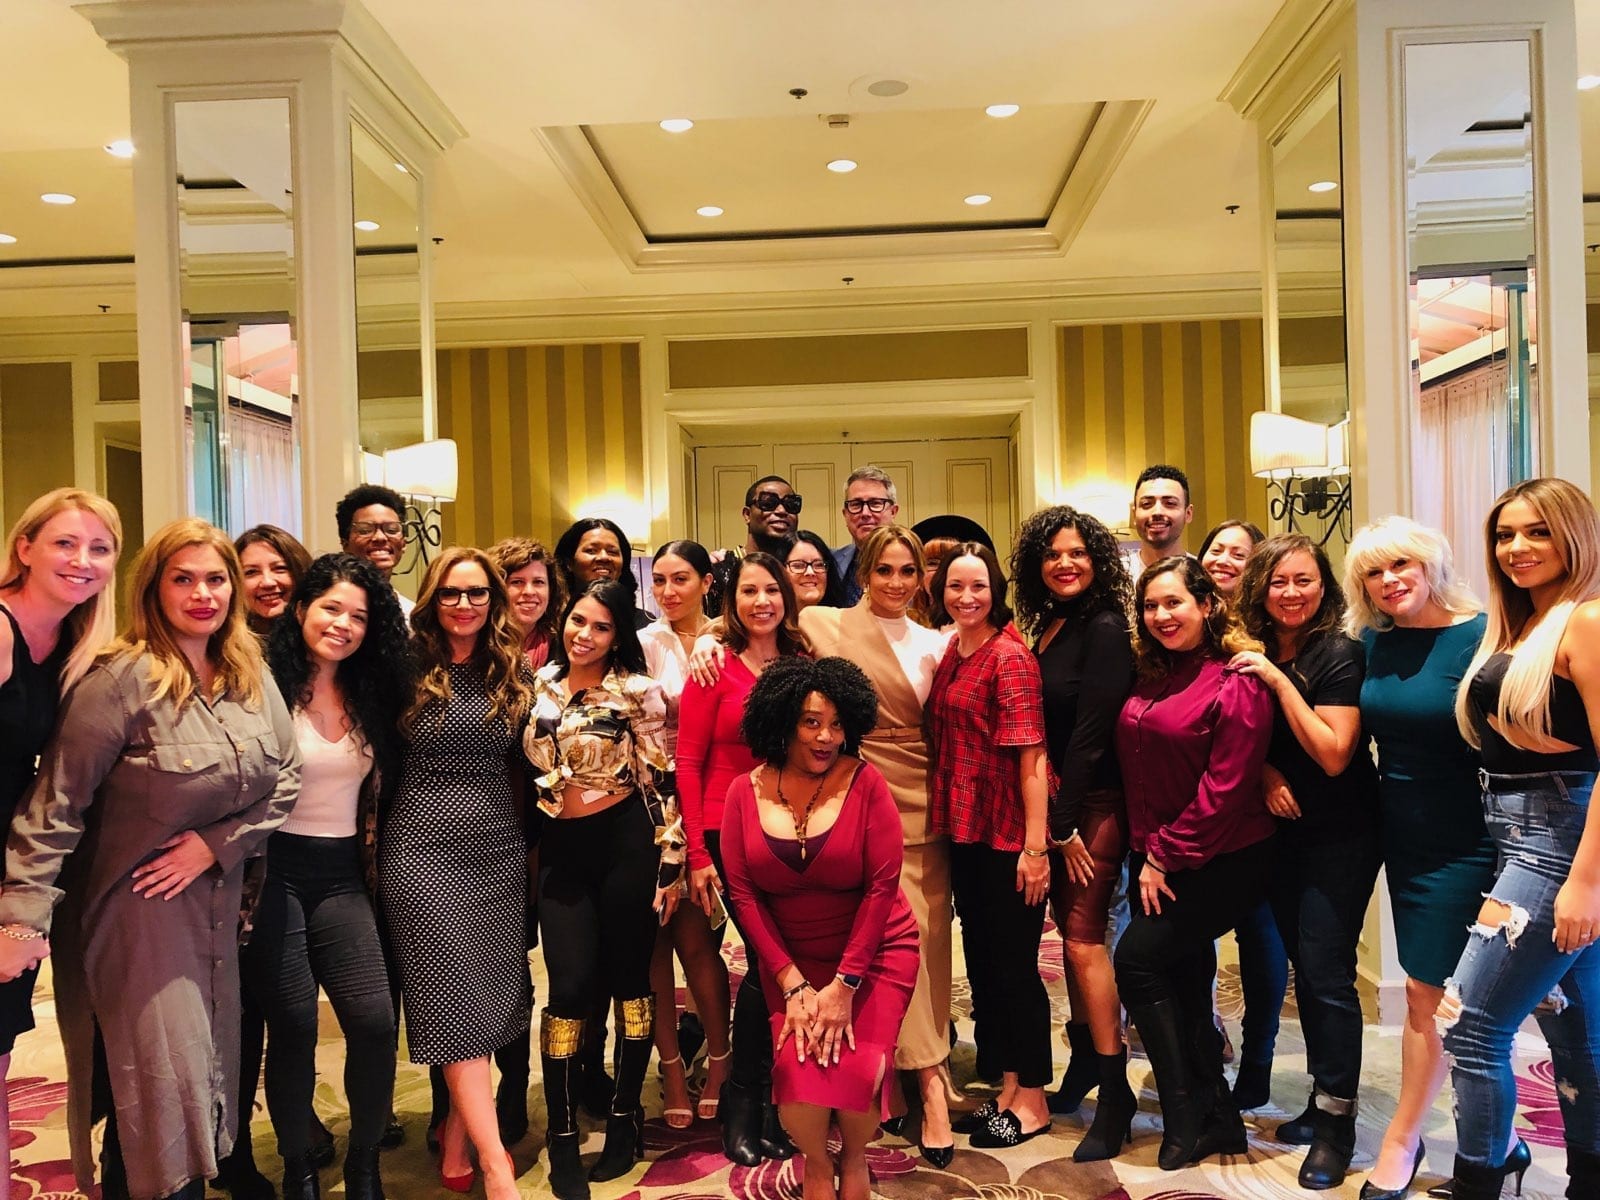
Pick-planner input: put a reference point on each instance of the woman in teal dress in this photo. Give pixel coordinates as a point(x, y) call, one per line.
point(1421, 627)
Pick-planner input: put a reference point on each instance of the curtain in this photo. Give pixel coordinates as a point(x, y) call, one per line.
point(1461, 462)
point(264, 474)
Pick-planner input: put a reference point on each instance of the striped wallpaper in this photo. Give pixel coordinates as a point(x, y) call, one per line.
point(1177, 392)
point(540, 431)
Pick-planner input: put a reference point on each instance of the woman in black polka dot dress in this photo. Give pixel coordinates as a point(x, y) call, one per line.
point(453, 855)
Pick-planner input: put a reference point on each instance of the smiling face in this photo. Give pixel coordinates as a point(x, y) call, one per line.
point(1294, 592)
point(1524, 549)
point(71, 558)
point(808, 574)
point(1400, 590)
point(1225, 557)
point(1160, 515)
point(678, 588)
point(589, 634)
point(528, 589)
point(818, 738)
point(1172, 614)
point(267, 580)
point(377, 535)
point(758, 600)
point(765, 515)
point(459, 617)
point(1067, 568)
point(335, 623)
point(598, 556)
point(968, 594)
point(892, 583)
point(195, 592)
point(867, 495)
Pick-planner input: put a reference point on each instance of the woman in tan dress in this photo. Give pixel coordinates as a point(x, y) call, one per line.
point(174, 759)
point(900, 658)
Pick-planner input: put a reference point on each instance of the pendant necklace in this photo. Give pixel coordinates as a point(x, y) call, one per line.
point(801, 822)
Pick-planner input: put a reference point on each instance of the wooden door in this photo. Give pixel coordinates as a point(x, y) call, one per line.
point(723, 474)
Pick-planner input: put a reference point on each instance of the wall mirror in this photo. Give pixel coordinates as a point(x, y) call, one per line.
point(386, 203)
point(1471, 259)
point(237, 273)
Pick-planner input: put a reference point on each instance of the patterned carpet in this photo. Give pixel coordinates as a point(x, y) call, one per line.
point(688, 1164)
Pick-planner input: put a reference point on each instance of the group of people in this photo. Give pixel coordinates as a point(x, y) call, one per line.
point(842, 752)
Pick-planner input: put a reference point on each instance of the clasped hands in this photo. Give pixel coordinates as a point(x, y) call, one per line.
point(819, 1022)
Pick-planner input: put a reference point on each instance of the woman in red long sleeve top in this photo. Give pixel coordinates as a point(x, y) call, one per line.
point(812, 845)
point(1191, 741)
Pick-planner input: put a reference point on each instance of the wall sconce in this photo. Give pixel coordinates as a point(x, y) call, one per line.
point(1284, 449)
point(424, 471)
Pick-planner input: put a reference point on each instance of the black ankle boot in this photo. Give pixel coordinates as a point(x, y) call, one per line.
point(1298, 1131)
point(1583, 1174)
point(624, 1146)
point(775, 1141)
point(1473, 1181)
point(322, 1153)
point(239, 1176)
point(1252, 1087)
point(1113, 1111)
point(1082, 1075)
point(741, 1125)
point(300, 1178)
point(361, 1178)
point(1333, 1142)
point(1161, 1031)
point(567, 1180)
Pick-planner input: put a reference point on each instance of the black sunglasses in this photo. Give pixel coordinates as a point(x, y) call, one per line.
point(769, 501)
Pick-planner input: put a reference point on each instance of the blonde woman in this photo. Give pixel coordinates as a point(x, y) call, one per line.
point(174, 759)
point(1531, 704)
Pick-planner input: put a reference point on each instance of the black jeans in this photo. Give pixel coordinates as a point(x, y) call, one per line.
point(751, 1067)
point(1171, 955)
point(316, 925)
point(1319, 891)
point(1000, 937)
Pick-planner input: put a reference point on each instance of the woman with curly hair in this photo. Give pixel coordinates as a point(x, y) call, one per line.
point(812, 841)
point(341, 661)
point(534, 587)
point(273, 562)
point(452, 866)
point(1073, 595)
point(1322, 786)
point(1191, 741)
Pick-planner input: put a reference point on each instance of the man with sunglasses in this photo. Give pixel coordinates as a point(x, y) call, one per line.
point(372, 526)
point(771, 514)
point(870, 500)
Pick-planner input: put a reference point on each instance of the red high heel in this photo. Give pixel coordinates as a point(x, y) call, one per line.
point(458, 1183)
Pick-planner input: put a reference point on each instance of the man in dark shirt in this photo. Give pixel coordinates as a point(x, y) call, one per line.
point(771, 514)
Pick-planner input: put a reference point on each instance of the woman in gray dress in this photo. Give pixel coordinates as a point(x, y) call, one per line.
point(174, 759)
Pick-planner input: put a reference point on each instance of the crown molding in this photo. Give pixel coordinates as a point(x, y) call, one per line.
point(1289, 39)
point(1115, 126)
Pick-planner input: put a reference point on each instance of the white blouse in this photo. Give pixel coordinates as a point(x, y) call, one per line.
point(331, 774)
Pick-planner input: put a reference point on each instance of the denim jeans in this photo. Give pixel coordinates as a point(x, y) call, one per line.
point(1264, 979)
point(1319, 893)
point(1512, 968)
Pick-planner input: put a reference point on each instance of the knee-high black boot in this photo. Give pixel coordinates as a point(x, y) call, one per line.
point(744, 1094)
point(595, 1085)
point(511, 1097)
point(1165, 1044)
point(559, 1039)
point(624, 1146)
point(1221, 1126)
point(774, 1141)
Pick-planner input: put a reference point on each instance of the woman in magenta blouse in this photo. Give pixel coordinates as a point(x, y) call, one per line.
point(812, 845)
point(1191, 741)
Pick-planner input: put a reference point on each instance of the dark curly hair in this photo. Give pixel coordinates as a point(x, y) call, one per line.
point(360, 497)
point(833, 589)
point(999, 611)
point(617, 599)
point(376, 680)
point(1257, 580)
point(567, 550)
point(772, 710)
point(1111, 589)
point(1225, 634)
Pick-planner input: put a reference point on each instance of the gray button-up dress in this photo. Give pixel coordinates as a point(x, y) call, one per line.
point(159, 978)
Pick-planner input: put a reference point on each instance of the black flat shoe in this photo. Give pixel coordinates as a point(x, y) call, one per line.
point(1370, 1192)
point(1005, 1131)
point(938, 1156)
point(977, 1119)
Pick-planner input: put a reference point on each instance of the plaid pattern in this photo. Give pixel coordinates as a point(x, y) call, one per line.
point(981, 711)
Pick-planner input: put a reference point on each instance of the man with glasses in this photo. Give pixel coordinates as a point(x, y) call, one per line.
point(869, 501)
point(771, 514)
point(371, 526)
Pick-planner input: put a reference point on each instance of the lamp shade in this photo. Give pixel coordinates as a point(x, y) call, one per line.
point(1338, 453)
point(424, 469)
point(371, 467)
point(1282, 446)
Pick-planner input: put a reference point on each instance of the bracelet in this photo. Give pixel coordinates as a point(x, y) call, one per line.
point(1155, 866)
point(10, 931)
point(1036, 853)
point(802, 986)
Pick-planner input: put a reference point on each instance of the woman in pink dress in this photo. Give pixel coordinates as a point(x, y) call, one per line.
point(811, 842)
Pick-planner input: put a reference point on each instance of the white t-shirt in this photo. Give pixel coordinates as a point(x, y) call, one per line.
point(330, 782)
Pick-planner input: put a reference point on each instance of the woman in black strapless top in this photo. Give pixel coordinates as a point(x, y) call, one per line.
point(1531, 703)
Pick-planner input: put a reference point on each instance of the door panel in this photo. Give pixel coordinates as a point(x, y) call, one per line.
point(723, 474)
point(817, 472)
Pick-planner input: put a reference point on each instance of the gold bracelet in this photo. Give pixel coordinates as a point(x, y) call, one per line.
point(1036, 853)
point(11, 932)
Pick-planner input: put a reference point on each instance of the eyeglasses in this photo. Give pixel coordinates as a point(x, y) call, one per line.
point(769, 501)
point(365, 529)
point(807, 566)
point(859, 505)
point(451, 597)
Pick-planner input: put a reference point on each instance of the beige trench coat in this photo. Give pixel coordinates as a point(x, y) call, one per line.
point(159, 978)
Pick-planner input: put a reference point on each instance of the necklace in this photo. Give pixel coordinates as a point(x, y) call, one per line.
point(802, 821)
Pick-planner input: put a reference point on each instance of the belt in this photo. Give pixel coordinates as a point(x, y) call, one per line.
point(896, 733)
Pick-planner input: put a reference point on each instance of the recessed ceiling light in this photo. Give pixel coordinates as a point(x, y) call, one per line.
point(978, 198)
point(677, 124)
point(888, 87)
point(1322, 185)
point(7, 240)
point(402, 168)
point(1003, 110)
point(842, 166)
point(367, 226)
point(1588, 82)
point(709, 210)
point(121, 148)
point(58, 198)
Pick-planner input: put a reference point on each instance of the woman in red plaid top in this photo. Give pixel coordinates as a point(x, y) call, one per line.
point(990, 786)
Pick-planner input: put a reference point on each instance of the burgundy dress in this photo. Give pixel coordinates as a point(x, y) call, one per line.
point(842, 913)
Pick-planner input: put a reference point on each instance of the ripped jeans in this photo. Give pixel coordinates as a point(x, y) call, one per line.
point(1511, 969)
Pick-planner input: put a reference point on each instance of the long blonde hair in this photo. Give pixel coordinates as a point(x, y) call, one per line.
point(1523, 714)
point(90, 626)
point(233, 650)
point(499, 644)
point(1385, 541)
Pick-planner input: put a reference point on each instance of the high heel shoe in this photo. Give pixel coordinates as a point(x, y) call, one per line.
point(1478, 1178)
point(711, 1098)
point(1370, 1192)
point(1113, 1111)
point(938, 1156)
point(624, 1146)
point(458, 1183)
point(676, 1118)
